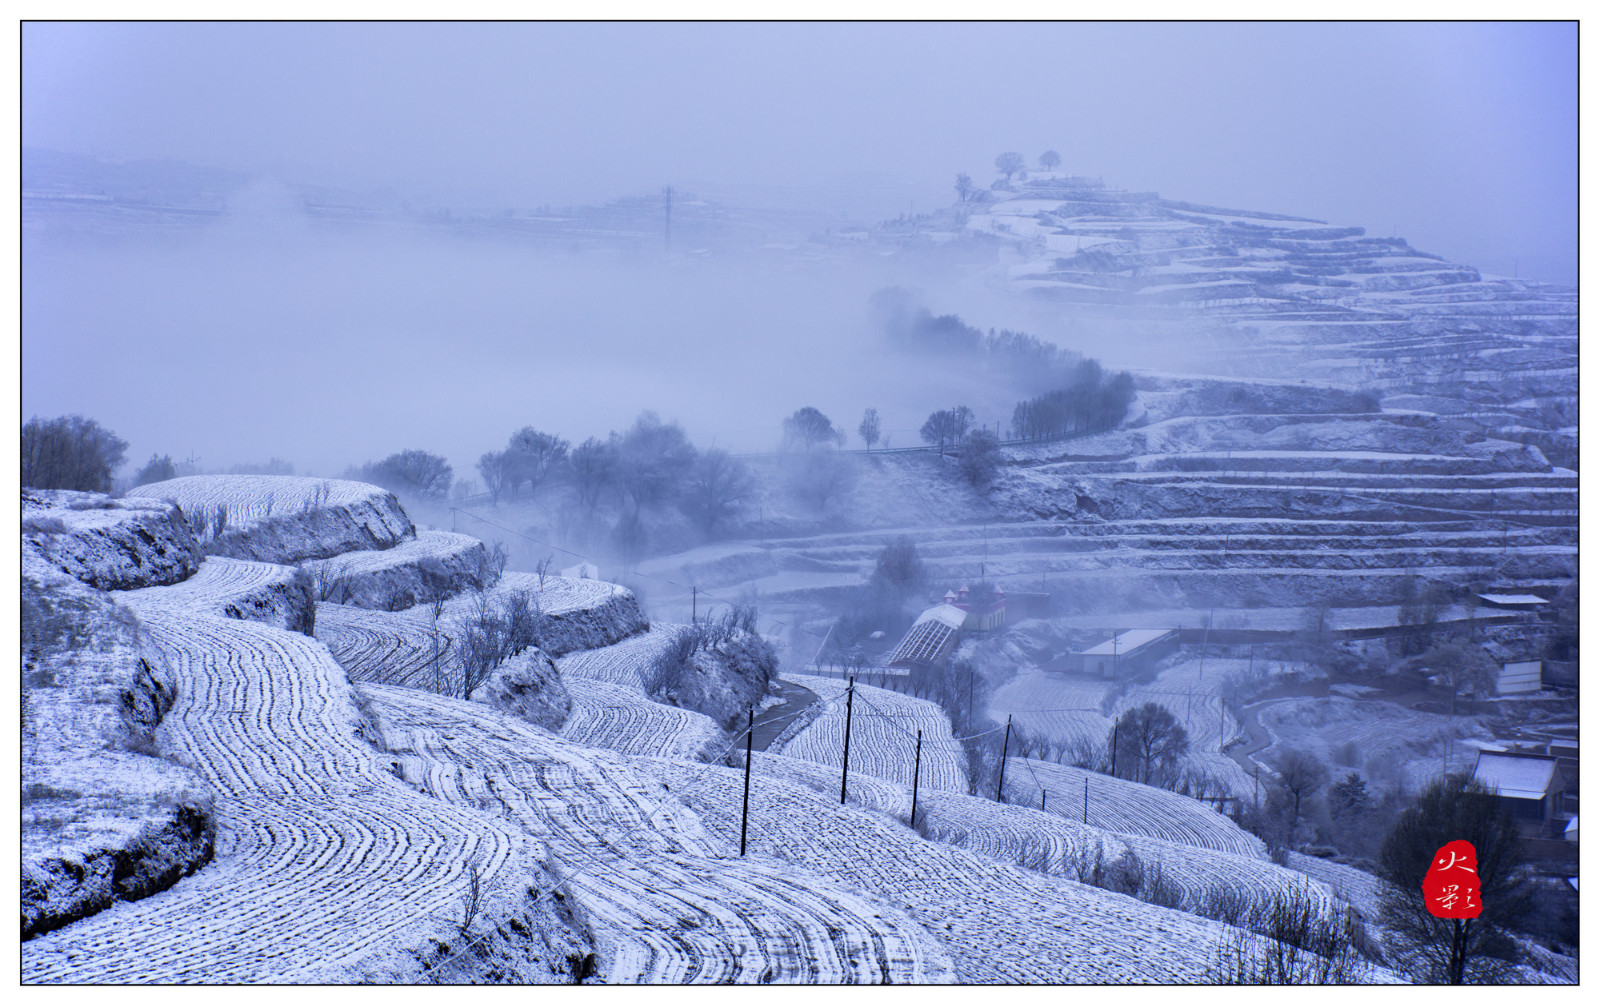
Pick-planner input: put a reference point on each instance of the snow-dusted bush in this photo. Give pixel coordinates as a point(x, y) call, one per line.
point(720, 667)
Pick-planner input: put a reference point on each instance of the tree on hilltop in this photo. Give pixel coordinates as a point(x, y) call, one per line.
point(1009, 163)
point(410, 471)
point(964, 186)
point(1049, 159)
point(810, 427)
point(870, 427)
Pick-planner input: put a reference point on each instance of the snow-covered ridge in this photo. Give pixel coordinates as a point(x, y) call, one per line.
point(286, 518)
point(402, 576)
point(107, 543)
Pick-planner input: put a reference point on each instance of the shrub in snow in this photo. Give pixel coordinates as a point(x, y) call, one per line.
point(529, 687)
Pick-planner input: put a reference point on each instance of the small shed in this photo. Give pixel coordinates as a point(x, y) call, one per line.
point(1529, 785)
point(582, 571)
point(1519, 676)
point(1133, 648)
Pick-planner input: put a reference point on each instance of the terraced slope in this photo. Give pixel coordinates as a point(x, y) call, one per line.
point(1000, 923)
point(387, 647)
point(578, 614)
point(883, 735)
point(620, 718)
point(314, 831)
point(623, 663)
point(234, 588)
point(1053, 842)
point(1128, 807)
point(405, 575)
point(106, 543)
point(285, 518)
point(668, 901)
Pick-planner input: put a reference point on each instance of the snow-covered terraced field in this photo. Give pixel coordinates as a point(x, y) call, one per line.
point(883, 735)
point(999, 923)
point(1128, 807)
point(1192, 691)
point(619, 717)
point(235, 588)
point(107, 543)
point(328, 868)
point(578, 614)
point(623, 663)
point(404, 575)
point(1063, 707)
point(1051, 841)
point(285, 519)
point(386, 647)
point(668, 901)
point(1357, 887)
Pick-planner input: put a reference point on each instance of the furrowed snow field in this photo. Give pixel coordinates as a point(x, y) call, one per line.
point(999, 923)
point(622, 719)
point(282, 518)
point(623, 663)
point(668, 901)
point(386, 647)
point(1064, 708)
point(579, 614)
point(234, 588)
point(1051, 842)
point(1192, 691)
point(1128, 807)
point(883, 735)
point(314, 832)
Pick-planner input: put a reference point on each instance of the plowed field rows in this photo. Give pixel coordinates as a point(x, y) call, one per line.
point(1000, 923)
point(328, 867)
point(883, 735)
point(1128, 807)
point(1192, 692)
point(251, 498)
point(386, 647)
point(620, 718)
point(623, 663)
point(666, 899)
point(1062, 707)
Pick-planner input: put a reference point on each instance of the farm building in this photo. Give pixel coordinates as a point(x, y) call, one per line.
point(1124, 651)
point(1529, 785)
point(983, 613)
point(1519, 676)
point(931, 638)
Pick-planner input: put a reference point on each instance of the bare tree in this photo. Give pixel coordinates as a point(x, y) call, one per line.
point(533, 457)
point(70, 452)
point(1049, 159)
point(717, 485)
point(1300, 774)
point(593, 464)
point(1148, 742)
point(809, 428)
point(964, 186)
point(472, 897)
point(1009, 163)
point(496, 473)
point(158, 469)
point(869, 428)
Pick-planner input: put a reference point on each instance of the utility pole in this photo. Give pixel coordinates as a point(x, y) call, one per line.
point(1114, 728)
point(1041, 798)
point(844, 767)
point(1000, 790)
point(694, 604)
point(1085, 799)
point(749, 745)
point(452, 519)
point(916, 775)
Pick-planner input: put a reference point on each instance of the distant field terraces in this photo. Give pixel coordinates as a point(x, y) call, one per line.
point(1236, 510)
